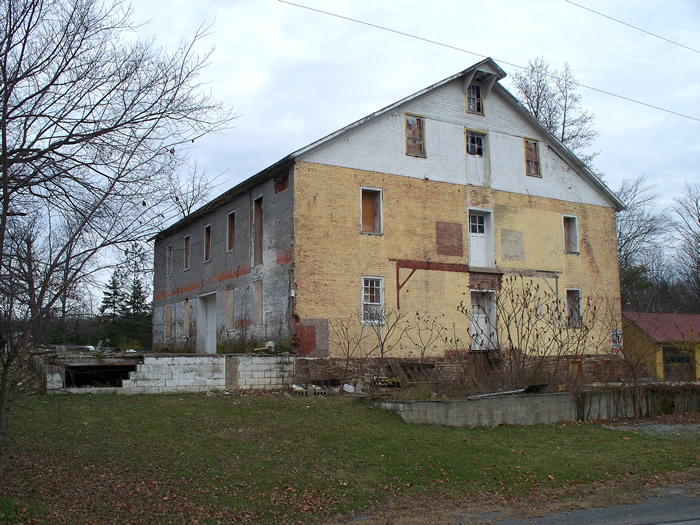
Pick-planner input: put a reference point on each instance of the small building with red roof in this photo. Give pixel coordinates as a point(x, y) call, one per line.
point(668, 344)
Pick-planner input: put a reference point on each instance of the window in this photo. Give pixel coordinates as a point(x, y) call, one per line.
point(573, 307)
point(371, 210)
point(207, 243)
point(532, 159)
point(372, 300)
point(475, 144)
point(480, 239)
point(186, 258)
point(474, 102)
point(258, 231)
point(169, 260)
point(570, 234)
point(281, 183)
point(415, 136)
point(230, 231)
point(257, 302)
point(229, 323)
point(168, 322)
point(186, 312)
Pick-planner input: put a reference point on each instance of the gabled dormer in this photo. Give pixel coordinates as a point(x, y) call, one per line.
point(477, 83)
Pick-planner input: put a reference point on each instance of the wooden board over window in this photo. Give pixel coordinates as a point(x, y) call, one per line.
point(415, 135)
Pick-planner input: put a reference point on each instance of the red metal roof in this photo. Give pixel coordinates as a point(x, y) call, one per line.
point(666, 328)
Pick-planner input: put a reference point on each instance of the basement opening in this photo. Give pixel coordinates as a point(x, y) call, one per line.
point(97, 375)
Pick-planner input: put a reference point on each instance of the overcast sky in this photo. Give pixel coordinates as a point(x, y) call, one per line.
point(295, 75)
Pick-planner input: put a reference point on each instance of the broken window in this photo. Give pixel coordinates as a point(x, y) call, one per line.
point(573, 307)
point(371, 210)
point(207, 243)
point(475, 144)
point(169, 260)
point(257, 302)
point(415, 136)
point(258, 231)
point(372, 299)
point(229, 322)
point(532, 158)
point(474, 102)
point(186, 312)
point(230, 231)
point(186, 258)
point(168, 322)
point(570, 234)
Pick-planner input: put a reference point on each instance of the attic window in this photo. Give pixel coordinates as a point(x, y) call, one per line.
point(532, 158)
point(474, 101)
point(415, 136)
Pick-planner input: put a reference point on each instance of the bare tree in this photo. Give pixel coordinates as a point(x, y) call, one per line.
point(189, 191)
point(687, 224)
point(551, 96)
point(349, 337)
point(428, 332)
point(531, 331)
point(91, 124)
point(386, 330)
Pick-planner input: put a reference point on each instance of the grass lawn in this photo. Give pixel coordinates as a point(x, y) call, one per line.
point(278, 459)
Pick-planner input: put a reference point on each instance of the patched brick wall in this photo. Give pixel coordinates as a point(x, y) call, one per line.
point(332, 255)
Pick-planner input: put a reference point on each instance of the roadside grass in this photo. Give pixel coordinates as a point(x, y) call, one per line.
point(281, 459)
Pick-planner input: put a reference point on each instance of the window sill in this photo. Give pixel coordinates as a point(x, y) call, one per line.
point(539, 176)
point(206, 261)
point(371, 233)
point(424, 156)
point(572, 253)
point(186, 269)
point(480, 113)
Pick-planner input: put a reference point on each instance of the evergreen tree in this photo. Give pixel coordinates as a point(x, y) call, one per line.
point(114, 298)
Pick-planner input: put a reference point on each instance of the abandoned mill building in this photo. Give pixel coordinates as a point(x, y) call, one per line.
point(421, 205)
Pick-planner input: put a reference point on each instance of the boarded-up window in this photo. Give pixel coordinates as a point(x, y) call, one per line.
point(207, 243)
point(186, 258)
point(570, 235)
point(448, 238)
point(169, 259)
point(474, 102)
point(231, 231)
point(186, 311)
point(230, 312)
point(258, 231)
point(371, 210)
point(168, 322)
point(415, 136)
point(573, 307)
point(532, 159)
point(281, 183)
point(257, 302)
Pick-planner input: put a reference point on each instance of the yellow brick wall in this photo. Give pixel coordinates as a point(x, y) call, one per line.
point(331, 254)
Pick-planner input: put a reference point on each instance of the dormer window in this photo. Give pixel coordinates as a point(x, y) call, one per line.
point(475, 104)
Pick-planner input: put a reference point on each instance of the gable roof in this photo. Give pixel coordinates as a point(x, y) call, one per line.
point(487, 70)
point(667, 328)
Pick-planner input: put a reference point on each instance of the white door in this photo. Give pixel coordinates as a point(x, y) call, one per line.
point(483, 326)
point(479, 240)
point(206, 324)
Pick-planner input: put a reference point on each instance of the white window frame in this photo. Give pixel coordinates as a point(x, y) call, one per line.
point(488, 231)
point(573, 314)
point(482, 139)
point(381, 210)
point(378, 317)
point(576, 245)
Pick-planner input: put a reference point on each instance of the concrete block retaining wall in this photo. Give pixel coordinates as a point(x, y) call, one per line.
point(193, 373)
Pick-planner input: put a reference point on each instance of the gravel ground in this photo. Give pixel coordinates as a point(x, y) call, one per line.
point(682, 426)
